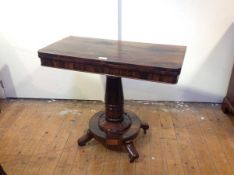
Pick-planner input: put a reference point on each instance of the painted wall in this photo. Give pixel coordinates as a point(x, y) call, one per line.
point(205, 27)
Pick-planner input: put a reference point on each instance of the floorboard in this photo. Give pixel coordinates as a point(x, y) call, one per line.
point(39, 137)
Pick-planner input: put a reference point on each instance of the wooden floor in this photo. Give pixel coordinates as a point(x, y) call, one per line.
point(40, 137)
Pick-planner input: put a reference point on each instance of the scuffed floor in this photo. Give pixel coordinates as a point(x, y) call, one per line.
point(40, 137)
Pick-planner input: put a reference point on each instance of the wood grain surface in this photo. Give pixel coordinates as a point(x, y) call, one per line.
point(145, 61)
point(39, 137)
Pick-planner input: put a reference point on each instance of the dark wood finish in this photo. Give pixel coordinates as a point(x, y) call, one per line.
point(2, 172)
point(115, 126)
point(228, 102)
point(145, 61)
point(85, 138)
point(114, 101)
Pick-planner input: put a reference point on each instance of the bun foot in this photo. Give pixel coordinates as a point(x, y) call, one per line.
point(85, 138)
point(144, 126)
point(132, 152)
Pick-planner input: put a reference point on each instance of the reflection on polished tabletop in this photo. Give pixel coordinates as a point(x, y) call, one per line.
point(145, 61)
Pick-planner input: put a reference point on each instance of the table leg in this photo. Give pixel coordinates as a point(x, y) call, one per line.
point(132, 152)
point(2, 172)
point(85, 138)
point(144, 126)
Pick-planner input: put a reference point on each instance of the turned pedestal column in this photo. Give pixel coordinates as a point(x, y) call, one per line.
point(114, 127)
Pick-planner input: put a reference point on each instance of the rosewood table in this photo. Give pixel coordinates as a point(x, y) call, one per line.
point(115, 59)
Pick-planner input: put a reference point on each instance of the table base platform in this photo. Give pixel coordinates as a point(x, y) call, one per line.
point(115, 134)
point(114, 127)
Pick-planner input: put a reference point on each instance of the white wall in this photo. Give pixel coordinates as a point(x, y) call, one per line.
point(205, 27)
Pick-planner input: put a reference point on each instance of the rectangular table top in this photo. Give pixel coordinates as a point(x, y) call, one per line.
point(144, 61)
